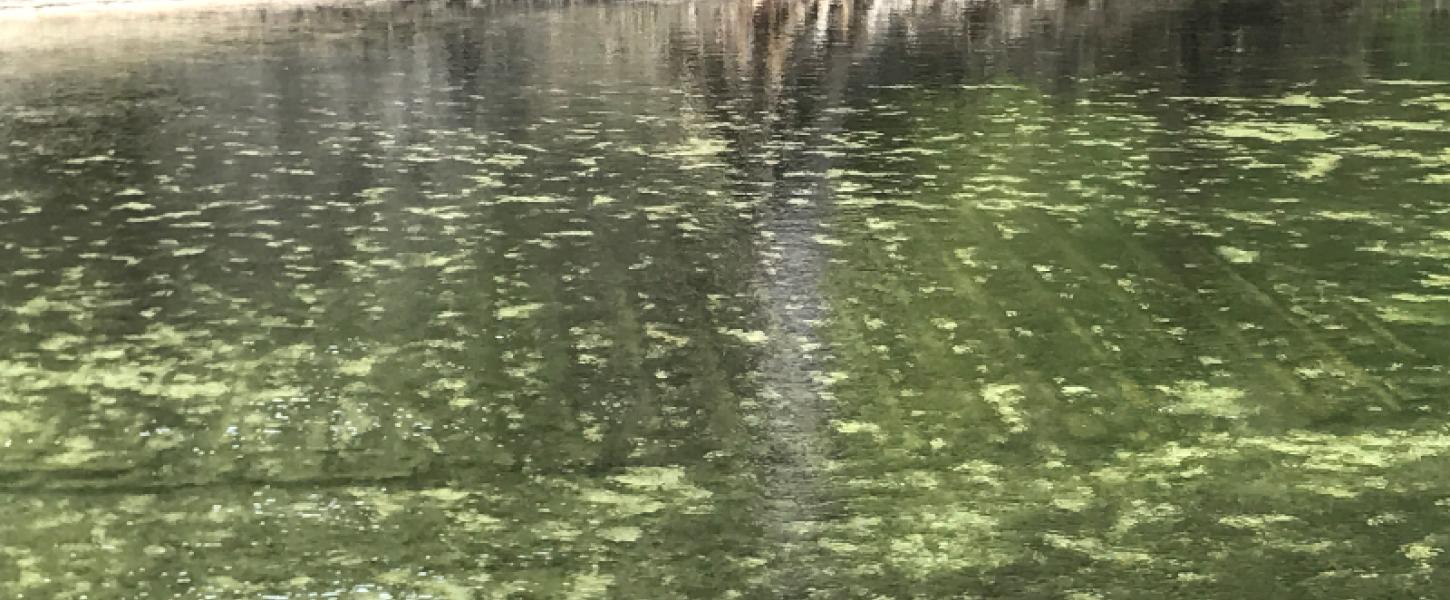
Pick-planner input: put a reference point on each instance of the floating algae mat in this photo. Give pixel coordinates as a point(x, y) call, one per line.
point(704, 300)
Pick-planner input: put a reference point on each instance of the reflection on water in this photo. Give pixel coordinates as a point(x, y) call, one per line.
point(720, 299)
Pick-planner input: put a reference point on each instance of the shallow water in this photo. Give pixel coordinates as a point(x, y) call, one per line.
point(718, 300)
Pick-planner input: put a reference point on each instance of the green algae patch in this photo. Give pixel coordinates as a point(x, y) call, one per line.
point(753, 337)
point(620, 534)
point(1300, 100)
point(1409, 82)
point(1238, 255)
point(1318, 166)
point(519, 311)
point(1200, 398)
point(1436, 101)
point(853, 427)
point(1271, 132)
point(1423, 309)
point(624, 504)
point(1412, 126)
point(653, 477)
point(1006, 400)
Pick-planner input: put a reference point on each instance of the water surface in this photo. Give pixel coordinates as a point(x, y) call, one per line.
point(1082, 300)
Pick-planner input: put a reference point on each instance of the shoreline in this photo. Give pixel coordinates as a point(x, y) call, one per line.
point(12, 10)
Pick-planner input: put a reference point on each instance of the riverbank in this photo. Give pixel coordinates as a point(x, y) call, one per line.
point(12, 9)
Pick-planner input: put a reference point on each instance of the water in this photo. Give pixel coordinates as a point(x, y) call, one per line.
point(1084, 300)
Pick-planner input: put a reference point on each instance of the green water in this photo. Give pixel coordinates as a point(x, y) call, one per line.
point(710, 300)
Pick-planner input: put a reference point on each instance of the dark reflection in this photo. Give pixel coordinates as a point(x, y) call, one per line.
point(801, 299)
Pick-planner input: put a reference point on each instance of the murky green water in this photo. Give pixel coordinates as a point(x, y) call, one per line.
point(712, 300)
